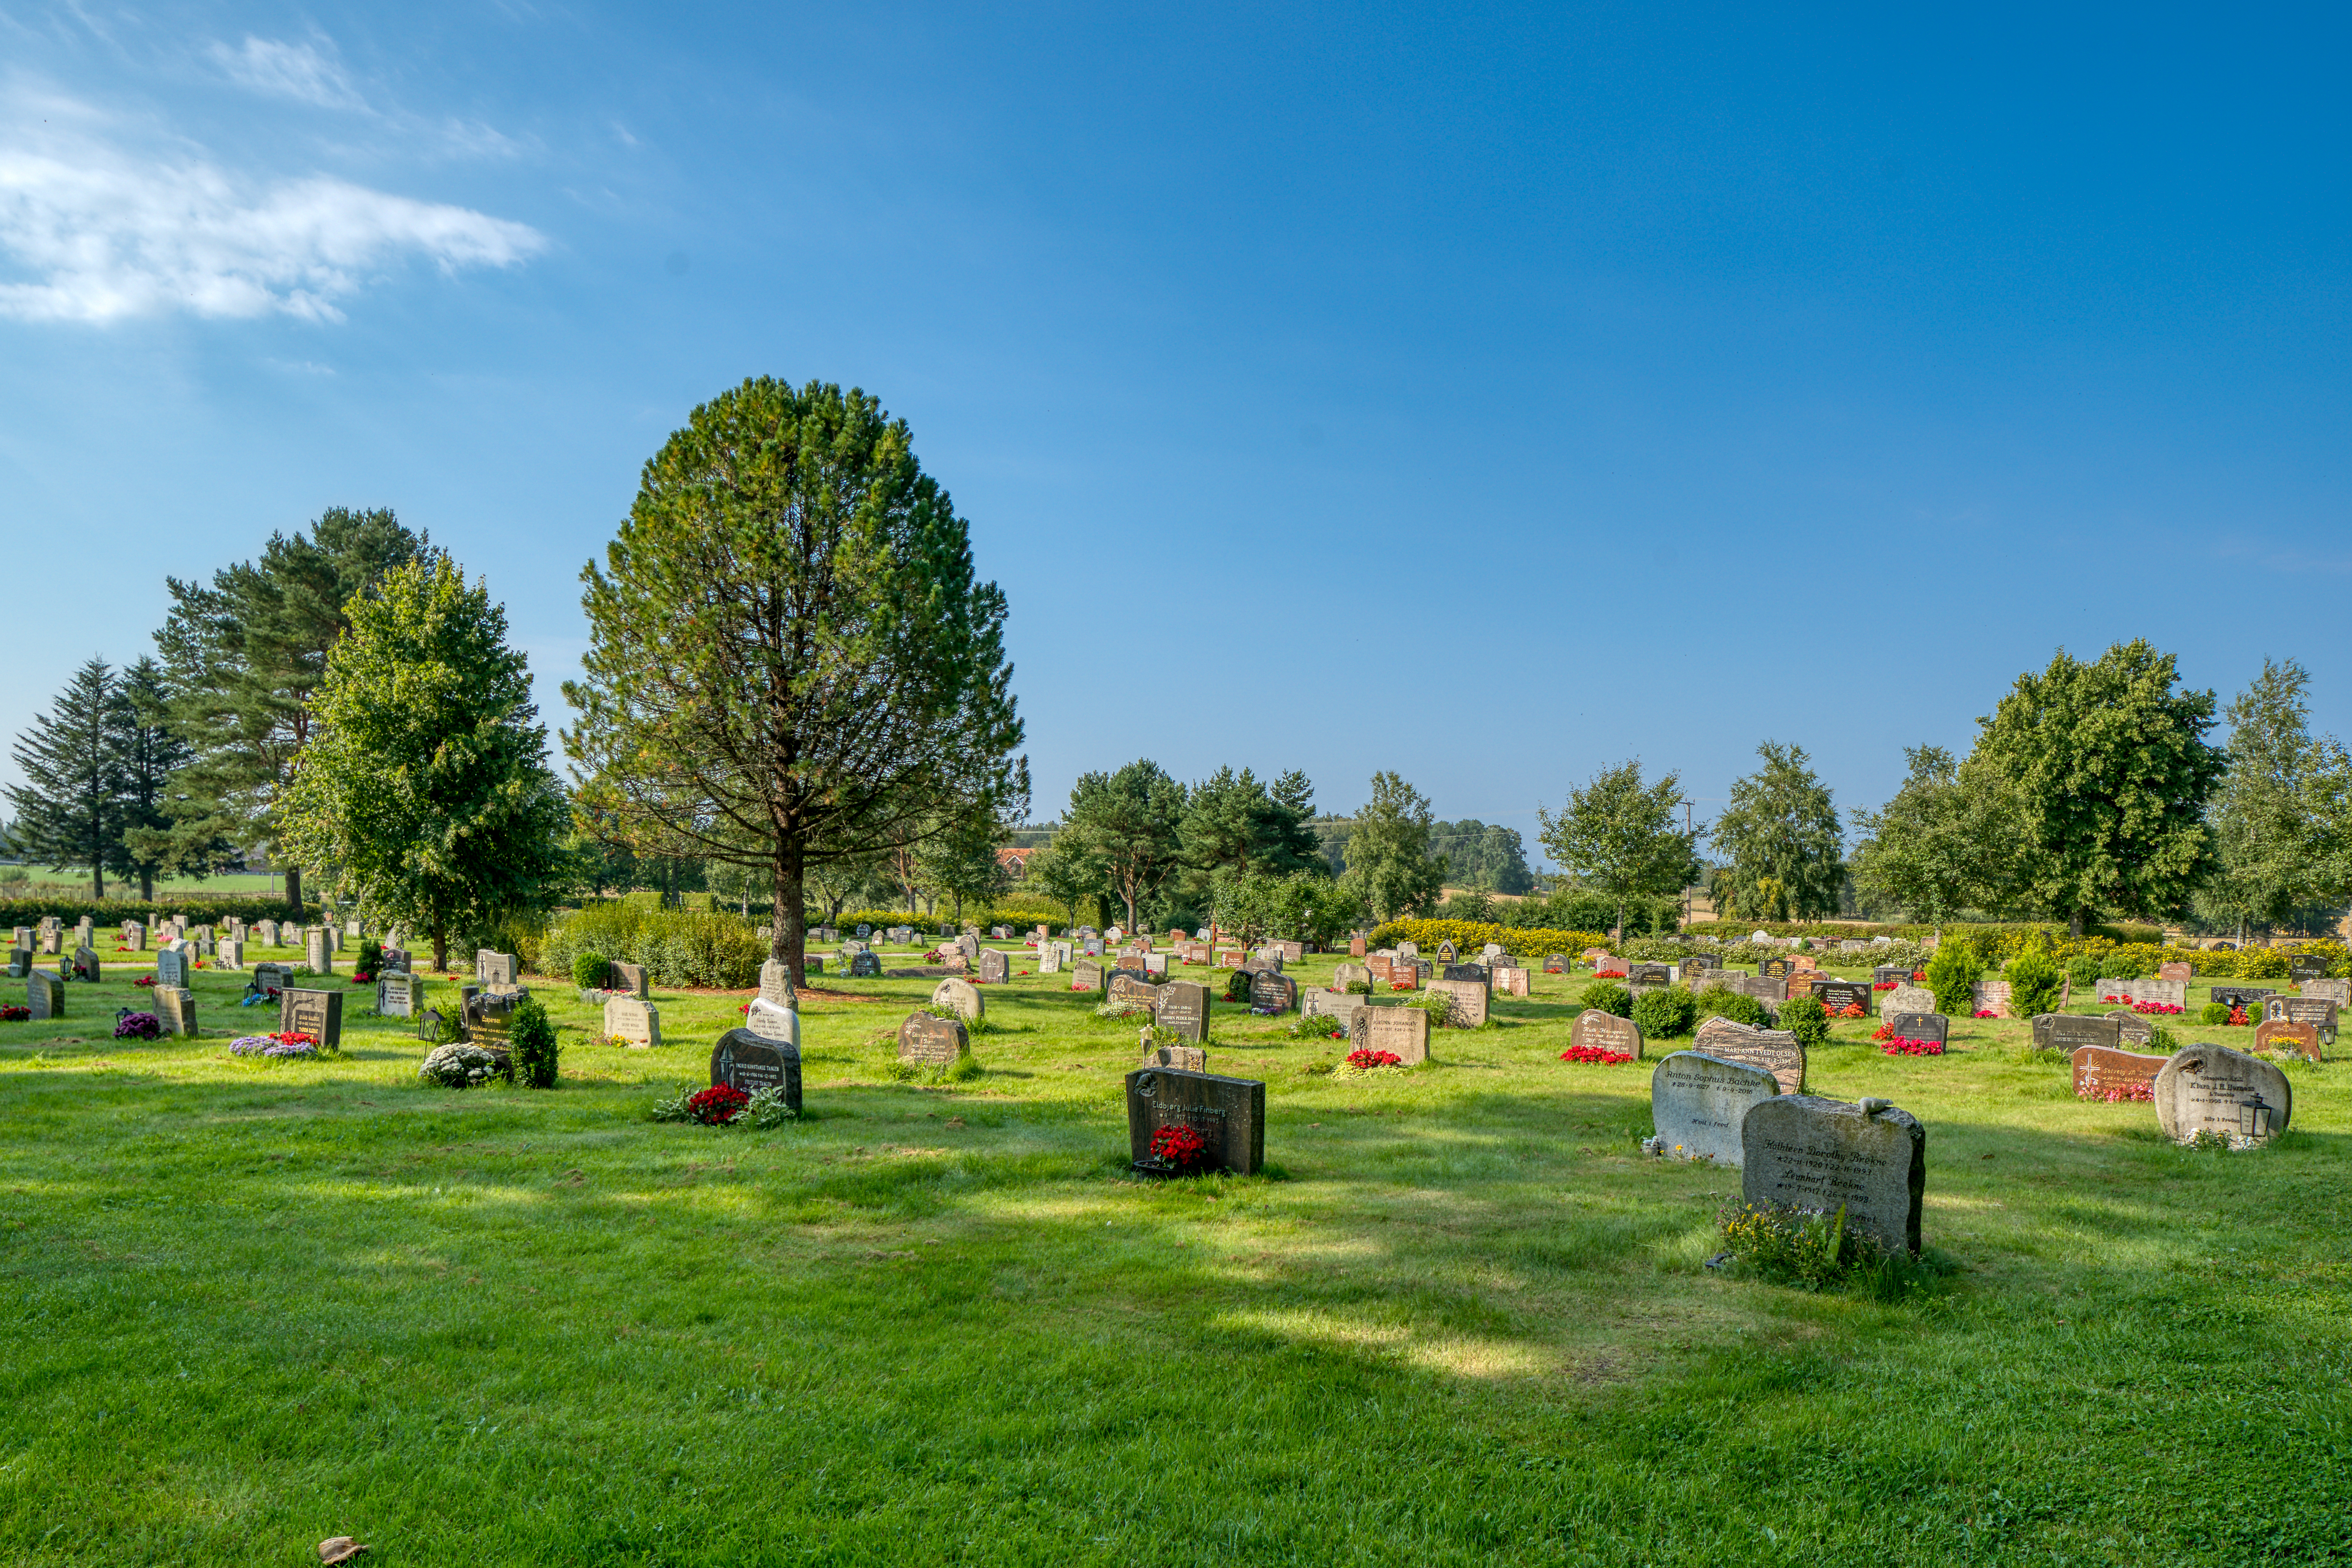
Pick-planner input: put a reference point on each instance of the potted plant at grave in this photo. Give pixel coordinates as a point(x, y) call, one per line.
point(1179, 1150)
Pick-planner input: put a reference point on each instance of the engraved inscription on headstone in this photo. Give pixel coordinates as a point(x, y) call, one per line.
point(170, 967)
point(1510, 979)
point(633, 1019)
point(45, 994)
point(2306, 966)
point(1777, 967)
point(1698, 1103)
point(2289, 1034)
point(1465, 1006)
point(2137, 1028)
point(630, 977)
point(397, 995)
point(1806, 1153)
point(1555, 963)
point(1920, 1026)
point(1777, 1051)
point(1272, 992)
point(1341, 1007)
point(176, 1009)
point(2319, 1011)
point(1838, 994)
point(2214, 1090)
point(1086, 975)
point(1477, 972)
point(994, 967)
point(2070, 1032)
point(1049, 958)
point(933, 1041)
point(1183, 1005)
point(1401, 1030)
point(2336, 991)
point(1649, 974)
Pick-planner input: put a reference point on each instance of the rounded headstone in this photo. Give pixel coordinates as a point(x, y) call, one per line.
point(960, 995)
point(2212, 1088)
point(1698, 1103)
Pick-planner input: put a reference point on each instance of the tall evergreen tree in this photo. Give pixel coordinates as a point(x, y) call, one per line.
point(1390, 867)
point(242, 657)
point(425, 781)
point(791, 659)
point(1780, 831)
point(2269, 819)
point(2107, 771)
point(149, 751)
point(69, 808)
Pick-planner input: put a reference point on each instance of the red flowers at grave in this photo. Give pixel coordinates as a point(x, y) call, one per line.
point(2238, 1018)
point(1401, 985)
point(295, 1037)
point(1984, 1012)
point(1179, 1147)
point(2155, 1008)
point(1601, 1054)
point(15, 1015)
point(1884, 985)
point(359, 976)
point(1851, 1010)
point(2121, 1094)
point(1919, 974)
point(145, 980)
point(1607, 974)
point(718, 1105)
point(1369, 1058)
point(1899, 1046)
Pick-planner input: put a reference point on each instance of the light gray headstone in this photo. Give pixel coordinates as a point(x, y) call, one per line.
point(1698, 1102)
point(634, 1019)
point(772, 1023)
point(397, 992)
point(776, 985)
point(960, 995)
point(1802, 1151)
point(2212, 1088)
point(1339, 1007)
point(1908, 999)
point(46, 994)
point(175, 1008)
point(1465, 1006)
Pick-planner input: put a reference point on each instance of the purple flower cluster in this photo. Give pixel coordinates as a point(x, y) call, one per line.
point(138, 1027)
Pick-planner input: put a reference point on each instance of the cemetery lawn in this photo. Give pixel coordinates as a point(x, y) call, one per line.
point(244, 1305)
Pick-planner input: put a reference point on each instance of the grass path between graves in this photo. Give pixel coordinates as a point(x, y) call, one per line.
point(246, 1306)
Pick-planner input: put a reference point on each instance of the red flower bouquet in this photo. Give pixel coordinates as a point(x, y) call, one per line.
point(718, 1105)
point(1179, 1147)
point(1598, 1053)
point(15, 1015)
point(1369, 1058)
point(1899, 1046)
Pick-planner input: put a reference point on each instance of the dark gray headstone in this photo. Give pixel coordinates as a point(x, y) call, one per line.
point(45, 993)
point(743, 1060)
point(1920, 1026)
point(2243, 995)
point(317, 1014)
point(2306, 966)
point(176, 1009)
point(933, 1041)
point(993, 965)
point(1556, 963)
point(1276, 993)
point(1649, 974)
point(1228, 1112)
point(864, 966)
point(1183, 1006)
point(629, 977)
point(2070, 1032)
point(1838, 994)
point(1805, 1153)
point(170, 967)
point(1476, 971)
point(1086, 975)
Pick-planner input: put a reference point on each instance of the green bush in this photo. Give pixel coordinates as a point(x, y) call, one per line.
point(2261, 964)
point(532, 1036)
point(1662, 1015)
point(371, 958)
point(2084, 970)
point(1608, 996)
point(590, 971)
point(1951, 973)
point(2033, 981)
point(2213, 1013)
point(677, 948)
point(1808, 1020)
point(1722, 1001)
point(2119, 964)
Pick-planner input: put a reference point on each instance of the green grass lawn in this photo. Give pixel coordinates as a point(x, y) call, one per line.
point(244, 1305)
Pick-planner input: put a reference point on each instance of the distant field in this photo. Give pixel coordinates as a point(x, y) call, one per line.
point(43, 882)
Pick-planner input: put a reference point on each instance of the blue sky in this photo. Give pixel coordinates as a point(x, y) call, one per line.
point(1488, 393)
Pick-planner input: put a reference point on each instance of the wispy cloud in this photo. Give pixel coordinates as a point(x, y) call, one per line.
point(302, 72)
point(101, 235)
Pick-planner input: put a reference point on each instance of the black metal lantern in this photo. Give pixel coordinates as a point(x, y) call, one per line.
point(2254, 1118)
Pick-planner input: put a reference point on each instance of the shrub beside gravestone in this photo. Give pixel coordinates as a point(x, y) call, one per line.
point(1721, 1002)
point(531, 1034)
point(1608, 996)
point(1664, 1013)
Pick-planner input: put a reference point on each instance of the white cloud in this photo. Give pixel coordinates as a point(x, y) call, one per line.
point(298, 72)
point(104, 235)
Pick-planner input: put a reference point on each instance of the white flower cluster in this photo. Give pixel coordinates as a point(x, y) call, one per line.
point(458, 1066)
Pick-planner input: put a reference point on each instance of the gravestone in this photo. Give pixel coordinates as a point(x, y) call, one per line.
point(744, 1061)
point(960, 995)
point(1838, 994)
point(1871, 1159)
point(1340, 1006)
point(2137, 1028)
point(2071, 1032)
point(317, 1014)
point(1347, 975)
point(776, 985)
point(2306, 966)
point(1920, 1026)
point(2336, 991)
point(1408, 950)
point(1155, 964)
point(1000, 933)
point(1763, 987)
point(2099, 1068)
point(994, 967)
point(634, 1019)
point(492, 968)
point(397, 995)
point(631, 978)
point(52, 937)
point(1777, 967)
point(1183, 1005)
point(1510, 980)
point(1229, 958)
point(1092, 947)
point(20, 963)
point(865, 966)
point(1189, 1059)
point(1401, 1030)
point(865, 929)
point(1908, 999)
point(1446, 953)
point(1276, 992)
point(1695, 962)
point(2212, 1088)
point(1477, 972)
point(2289, 1034)
point(135, 936)
point(1882, 973)
point(1698, 1104)
point(1803, 963)
point(1382, 970)
point(269, 931)
point(1418, 969)
point(45, 994)
point(1777, 1051)
point(1990, 997)
point(1555, 963)
point(953, 962)
point(1465, 1005)
point(2319, 1011)
point(1355, 947)
point(928, 1041)
point(1126, 986)
point(1265, 958)
point(1229, 1113)
point(170, 967)
point(1289, 950)
point(1113, 933)
point(1854, 945)
point(2175, 971)
point(1602, 1031)
point(773, 1021)
point(1086, 975)
point(1641, 975)
point(176, 1009)
point(86, 965)
point(1049, 959)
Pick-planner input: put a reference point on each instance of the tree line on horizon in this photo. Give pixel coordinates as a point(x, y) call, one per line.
point(796, 693)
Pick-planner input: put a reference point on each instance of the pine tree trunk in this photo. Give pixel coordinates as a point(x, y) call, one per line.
point(789, 943)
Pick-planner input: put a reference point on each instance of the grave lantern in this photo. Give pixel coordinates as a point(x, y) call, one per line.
point(2254, 1118)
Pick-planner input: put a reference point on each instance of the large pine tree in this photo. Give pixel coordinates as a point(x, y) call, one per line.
point(70, 809)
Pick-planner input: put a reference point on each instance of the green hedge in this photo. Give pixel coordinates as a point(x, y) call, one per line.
point(1469, 936)
point(201, 908)
point(677, 948)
